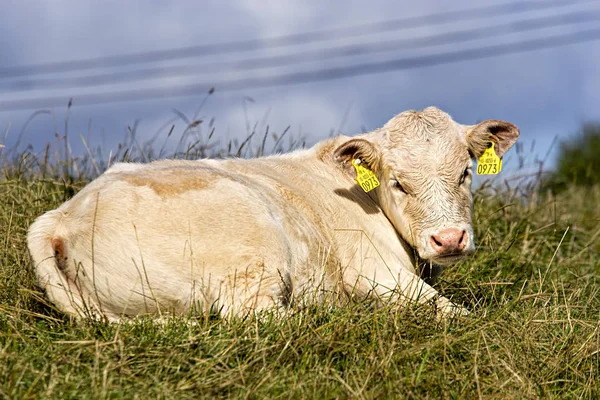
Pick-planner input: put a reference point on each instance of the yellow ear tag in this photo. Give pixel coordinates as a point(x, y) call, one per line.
point(364, 176)
point(489, 163)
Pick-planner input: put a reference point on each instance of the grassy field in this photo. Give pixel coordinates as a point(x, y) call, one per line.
point(532, 286)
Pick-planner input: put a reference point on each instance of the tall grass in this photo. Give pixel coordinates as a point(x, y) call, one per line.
point(532, 287)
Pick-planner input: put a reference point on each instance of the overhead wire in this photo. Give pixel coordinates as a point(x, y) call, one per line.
point(325, 74)
point(290, 59)
point(302, 38)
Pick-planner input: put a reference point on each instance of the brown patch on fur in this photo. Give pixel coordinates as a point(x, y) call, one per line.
point(60, 252)
point(170, 182)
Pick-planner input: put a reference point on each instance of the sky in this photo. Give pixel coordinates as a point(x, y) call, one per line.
point(547, 92)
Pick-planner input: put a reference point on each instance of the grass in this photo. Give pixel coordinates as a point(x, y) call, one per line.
point(532, 287)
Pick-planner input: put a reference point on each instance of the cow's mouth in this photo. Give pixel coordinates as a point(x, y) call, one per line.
point(447, 259)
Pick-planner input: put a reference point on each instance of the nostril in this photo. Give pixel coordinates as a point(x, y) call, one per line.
point(437, 241)
point(463, 238)
point(462, 243)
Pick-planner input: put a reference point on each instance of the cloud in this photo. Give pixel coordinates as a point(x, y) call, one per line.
point(545, 92)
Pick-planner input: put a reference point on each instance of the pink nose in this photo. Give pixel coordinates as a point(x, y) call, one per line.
point(449, 241)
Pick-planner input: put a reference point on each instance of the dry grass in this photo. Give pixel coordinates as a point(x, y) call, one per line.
point(533, 287)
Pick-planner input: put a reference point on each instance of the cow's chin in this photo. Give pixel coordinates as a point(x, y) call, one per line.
point(444, 260)
point(448, 259)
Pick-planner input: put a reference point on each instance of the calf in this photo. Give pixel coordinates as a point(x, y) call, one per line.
point(239, 236)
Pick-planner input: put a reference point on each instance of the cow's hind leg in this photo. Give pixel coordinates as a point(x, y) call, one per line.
point(254, 290)
point(67, 295)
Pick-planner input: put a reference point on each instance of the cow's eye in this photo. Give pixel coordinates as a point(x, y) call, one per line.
point(464, 175)
point(395, 184)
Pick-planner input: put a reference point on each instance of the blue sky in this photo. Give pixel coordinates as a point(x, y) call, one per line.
point(546, 92)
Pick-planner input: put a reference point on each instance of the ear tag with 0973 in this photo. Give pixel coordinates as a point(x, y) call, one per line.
point(364, 176)
point(489, 163)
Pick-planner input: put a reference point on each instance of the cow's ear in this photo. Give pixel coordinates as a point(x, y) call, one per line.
point(502, 133)
point(358, 148)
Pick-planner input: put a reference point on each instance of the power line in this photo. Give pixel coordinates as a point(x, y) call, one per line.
point(312, 76)
point(287, 40)
point(455, 37)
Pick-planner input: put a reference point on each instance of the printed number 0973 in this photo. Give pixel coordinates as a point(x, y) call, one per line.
point(483, 169)
point(368, 185)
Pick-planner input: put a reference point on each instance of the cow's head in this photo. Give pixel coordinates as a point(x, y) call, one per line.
point(424, 161)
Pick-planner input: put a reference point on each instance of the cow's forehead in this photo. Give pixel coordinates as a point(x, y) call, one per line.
point(422, 139)
point(440, 158)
